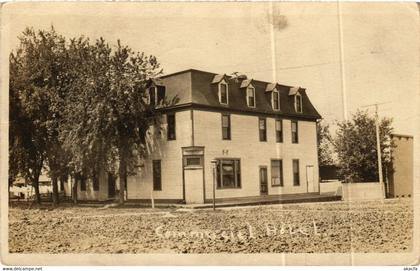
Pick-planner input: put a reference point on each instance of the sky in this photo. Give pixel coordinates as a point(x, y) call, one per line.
point(364, 54)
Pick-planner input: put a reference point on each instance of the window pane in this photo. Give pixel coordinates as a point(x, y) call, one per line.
point(295, 136)
point(279, 132)
point(193, 161)
point(225, 126)
point(277, 172)
point(238, 173)
point(262, 130)
point(95, 180)
point(171, 126)
point(251, 96)
point(296, 179)
point(223, 93)
point(262, 124)
point(152, 93)
point(276, 100)
point(228, 174)
point(157, 181)
point(278, 125)
point(218, 174)
point(82, 179)
point(225, 121)
point(299, 103)
point(251, 101)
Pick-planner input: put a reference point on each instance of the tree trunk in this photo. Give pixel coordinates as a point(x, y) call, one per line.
point(55, 191)
point(74, 194)
point(35, 184)
point(122, 174)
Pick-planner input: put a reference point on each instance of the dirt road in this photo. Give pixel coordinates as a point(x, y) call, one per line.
point(311, 228)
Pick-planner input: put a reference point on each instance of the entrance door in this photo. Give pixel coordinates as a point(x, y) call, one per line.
point(194, 177)
point(263, 181)
point(111, 185)
point(310, 179)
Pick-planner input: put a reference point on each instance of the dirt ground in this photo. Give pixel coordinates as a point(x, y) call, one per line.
point(310, 228)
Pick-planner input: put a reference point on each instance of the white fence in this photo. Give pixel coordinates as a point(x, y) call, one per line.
point(362, 191)
point(333, 186)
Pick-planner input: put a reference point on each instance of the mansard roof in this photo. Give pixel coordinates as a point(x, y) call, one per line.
point(200, 89)
point(270, 87)
point(218, 78)
point(245, 83)
point(293, 91)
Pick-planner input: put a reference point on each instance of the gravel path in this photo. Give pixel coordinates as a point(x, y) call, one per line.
point(298, 228)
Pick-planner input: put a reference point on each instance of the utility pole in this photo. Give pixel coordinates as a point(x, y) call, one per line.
point(214, 165)
point(378, 147)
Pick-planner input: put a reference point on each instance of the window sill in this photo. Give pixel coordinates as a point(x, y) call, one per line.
point(193, 167)
point(228, 188)
point(277, 185)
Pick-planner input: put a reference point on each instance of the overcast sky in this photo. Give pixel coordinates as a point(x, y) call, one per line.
point(292, 43)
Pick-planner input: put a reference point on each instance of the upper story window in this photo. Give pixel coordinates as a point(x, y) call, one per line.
point(298, 103)
point(225, 126)
point(262, 125)
point(295, 132)
point(170, 118)
point(279, 131)
point(155, 94)
point(250, 96)
point(223, 92)
point(275, 99)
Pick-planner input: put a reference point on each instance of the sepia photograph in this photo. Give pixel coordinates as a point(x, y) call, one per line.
point(210, 133)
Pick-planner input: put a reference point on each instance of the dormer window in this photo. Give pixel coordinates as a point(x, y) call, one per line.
point(275, 99)
point(298, 103)
point(275, 95)
point(223, 92)
point(250, 96)
point(155, 93)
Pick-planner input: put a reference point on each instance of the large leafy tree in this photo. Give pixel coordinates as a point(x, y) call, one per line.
point(107, 116)
point(78, 108)
point(355, 144)
point(38, 84)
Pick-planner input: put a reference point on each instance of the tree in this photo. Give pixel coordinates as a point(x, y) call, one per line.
point(355, 144)
point(107, 116)
point(37, 89)
point(324, 144)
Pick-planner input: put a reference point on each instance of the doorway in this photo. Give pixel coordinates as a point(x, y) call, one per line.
point(263, 181)
point(193, 178)
point(310, 184)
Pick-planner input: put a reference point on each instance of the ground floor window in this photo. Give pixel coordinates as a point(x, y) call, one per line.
point(296, 177)
point(95, 180)
point(228, 173)
point(157, 175)
point(277, 172)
